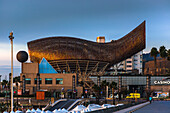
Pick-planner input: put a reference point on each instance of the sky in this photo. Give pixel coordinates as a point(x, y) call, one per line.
point(85, 19)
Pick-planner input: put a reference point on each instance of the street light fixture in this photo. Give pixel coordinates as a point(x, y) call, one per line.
point(0, 83)
point(11, 39)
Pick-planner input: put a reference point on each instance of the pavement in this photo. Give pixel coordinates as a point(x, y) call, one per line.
point(155, 107)
point(133, 108)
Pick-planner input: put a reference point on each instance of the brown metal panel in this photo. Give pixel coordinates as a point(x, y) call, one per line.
point(69, 48)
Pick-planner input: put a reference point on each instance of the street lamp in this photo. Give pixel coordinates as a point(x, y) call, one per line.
point(11, 39)
point(0, 83)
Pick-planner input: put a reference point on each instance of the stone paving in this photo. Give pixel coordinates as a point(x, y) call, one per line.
point(130, 109)
point(155, 107)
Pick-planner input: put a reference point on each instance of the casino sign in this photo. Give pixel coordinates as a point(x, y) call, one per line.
point(161, 82)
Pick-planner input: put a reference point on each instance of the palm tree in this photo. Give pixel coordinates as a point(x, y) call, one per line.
point(113, 86)
point(154, 52)
point(103, 85)
point(97, 89)
point(16, 79)
point(4, 83)
point(163, 54)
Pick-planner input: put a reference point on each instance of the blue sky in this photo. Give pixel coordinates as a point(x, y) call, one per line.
point(86, 19)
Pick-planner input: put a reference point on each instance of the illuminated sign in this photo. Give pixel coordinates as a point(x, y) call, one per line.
point(162, 82)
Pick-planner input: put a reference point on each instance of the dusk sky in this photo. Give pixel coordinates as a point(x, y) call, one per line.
point(86, 19)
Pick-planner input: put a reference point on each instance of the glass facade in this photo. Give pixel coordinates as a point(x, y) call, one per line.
point(129, 80)
point(28, 81)
point(48, 80)
point(59, 81)
point(45, 67)
point(35, 81)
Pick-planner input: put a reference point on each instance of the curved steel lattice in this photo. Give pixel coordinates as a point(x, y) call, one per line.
point(86, 57)
point(68, 48)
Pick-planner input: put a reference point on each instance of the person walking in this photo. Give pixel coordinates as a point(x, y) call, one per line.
point(150, 99)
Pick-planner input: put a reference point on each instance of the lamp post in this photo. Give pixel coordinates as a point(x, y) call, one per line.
point(0, 83)
point(11, 39)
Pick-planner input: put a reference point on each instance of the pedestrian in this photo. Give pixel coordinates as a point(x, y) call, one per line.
point(150, 99)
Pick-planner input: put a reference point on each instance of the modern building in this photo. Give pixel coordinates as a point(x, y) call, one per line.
point(49, 80)
point(130, 83)
point(65, 64)
point(162, 65)
point(132, 65)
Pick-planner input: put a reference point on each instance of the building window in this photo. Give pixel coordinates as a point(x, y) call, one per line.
point(28, 81)
point(48, 80)
point(129, 61)
point(129, 66)
point(59, 81)
point(35, 81)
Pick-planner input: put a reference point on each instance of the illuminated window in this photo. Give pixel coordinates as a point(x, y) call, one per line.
point(28, 81)
point(48, 80)
point(59, 81)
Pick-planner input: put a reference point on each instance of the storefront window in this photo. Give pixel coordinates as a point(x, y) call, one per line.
point(28, 81)
point(59, 81)
point(48, 81)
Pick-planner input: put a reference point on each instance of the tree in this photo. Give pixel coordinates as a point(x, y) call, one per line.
point(4, 83)
point(97, 89)
point(168, 54)
point(113, 85)
point(103, 85)
point(154, 52)
point(16, 79)
point(163, 52)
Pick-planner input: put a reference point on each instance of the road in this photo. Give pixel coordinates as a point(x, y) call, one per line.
point(155, 107)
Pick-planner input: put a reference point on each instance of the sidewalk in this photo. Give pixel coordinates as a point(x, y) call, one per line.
point(131, 109)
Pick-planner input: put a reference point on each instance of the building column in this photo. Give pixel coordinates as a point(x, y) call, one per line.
point(119, 87)
point(38, 82)
point(148, 84)
point(23, 84)
point(73, 87)
point(98, 80)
